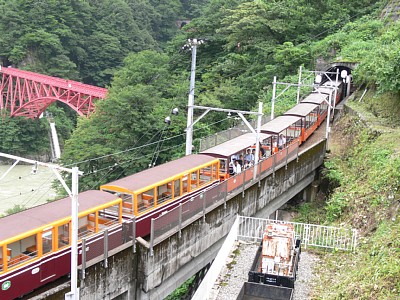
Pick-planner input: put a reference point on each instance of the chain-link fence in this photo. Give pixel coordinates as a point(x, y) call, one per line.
point(226, 135)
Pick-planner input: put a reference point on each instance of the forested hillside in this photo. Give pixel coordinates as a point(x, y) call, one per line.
point(247, 43)
point(134, 47)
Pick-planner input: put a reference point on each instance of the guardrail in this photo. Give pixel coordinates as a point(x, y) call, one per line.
point(198, 206)
point(310, 234)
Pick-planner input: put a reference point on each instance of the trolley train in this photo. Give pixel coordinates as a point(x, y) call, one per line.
point(35, 245)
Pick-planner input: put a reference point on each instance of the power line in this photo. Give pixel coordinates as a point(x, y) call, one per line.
point(138, 147)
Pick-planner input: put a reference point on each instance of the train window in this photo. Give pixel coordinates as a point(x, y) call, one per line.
point(312, 118)
point(177, 188)
point(194, 180)
point(105, 217)
point(85, 227)
point(215, 171)
point(47, 241)
point(185, 187)
point(222, 165)
point(145, 200)
point(22, 250)
point(164, 193)
point(63, 235)
point(127, 203)
point(205, 175)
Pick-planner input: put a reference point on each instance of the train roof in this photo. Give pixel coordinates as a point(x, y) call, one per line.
point(315, 98)
point(235, 145)
point(48, 213)
point(325, 90)
point(279, 124)
point(332, 83)
point(301, 109)
point(158, 174)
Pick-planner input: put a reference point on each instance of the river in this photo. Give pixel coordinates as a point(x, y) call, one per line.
point(22, 187)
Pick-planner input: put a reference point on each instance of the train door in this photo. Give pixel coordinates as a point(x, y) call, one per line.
point(47, 269)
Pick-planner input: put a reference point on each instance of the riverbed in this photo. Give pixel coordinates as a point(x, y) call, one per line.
point(25, 187)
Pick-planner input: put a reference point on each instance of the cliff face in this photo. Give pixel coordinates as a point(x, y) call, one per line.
point(391, 10)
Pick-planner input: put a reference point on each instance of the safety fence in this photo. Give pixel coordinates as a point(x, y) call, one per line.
point(99, 246)
point(226, 135)
point(310, 235)
point(201, 203)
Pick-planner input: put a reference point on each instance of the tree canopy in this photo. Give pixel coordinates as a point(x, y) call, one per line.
point(134, 48)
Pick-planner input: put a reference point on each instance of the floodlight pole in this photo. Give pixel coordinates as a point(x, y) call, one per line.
point(73, 193)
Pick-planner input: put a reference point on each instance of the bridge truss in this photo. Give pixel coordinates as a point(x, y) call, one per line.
point(28, 94)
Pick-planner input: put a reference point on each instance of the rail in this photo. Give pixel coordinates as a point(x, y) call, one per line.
point(198, 206)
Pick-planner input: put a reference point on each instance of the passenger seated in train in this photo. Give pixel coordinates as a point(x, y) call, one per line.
point(249, 157)
point(240, 160)
point(247, 164)
point(262, 152)
point(281, 142)
point(231, 167)
point(237, 168)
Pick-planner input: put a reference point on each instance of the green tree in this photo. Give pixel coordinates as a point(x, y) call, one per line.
point(20, 136)
point(132, 116)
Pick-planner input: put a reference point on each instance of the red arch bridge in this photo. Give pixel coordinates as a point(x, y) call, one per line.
point(28, 94)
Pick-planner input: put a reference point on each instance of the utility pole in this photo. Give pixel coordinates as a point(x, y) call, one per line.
point(193, 43)
point(273, 98)
point(298, 88)
point(73, 193)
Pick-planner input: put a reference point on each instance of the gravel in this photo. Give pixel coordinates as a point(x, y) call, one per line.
point(305, 276)
point(235, 273)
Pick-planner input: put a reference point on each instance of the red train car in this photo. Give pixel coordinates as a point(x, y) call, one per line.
point(308, 114)
point(322, 101)
point(35, 244)
point(149, 193)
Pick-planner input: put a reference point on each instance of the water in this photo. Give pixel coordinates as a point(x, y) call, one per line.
point(22, 187)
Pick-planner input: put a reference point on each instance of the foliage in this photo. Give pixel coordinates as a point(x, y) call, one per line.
point(374, 45)
point(132, 117)
point(15, 209)
point(352, 42)
point(22, 136)
point(377, 262)
point(182, 291)
point(381, 66)
point(366, 199)
point(82, 40)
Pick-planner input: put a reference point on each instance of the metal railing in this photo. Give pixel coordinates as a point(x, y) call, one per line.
point(101, 244)
point(198, 206)
point(330, 237)
point(226, 135)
